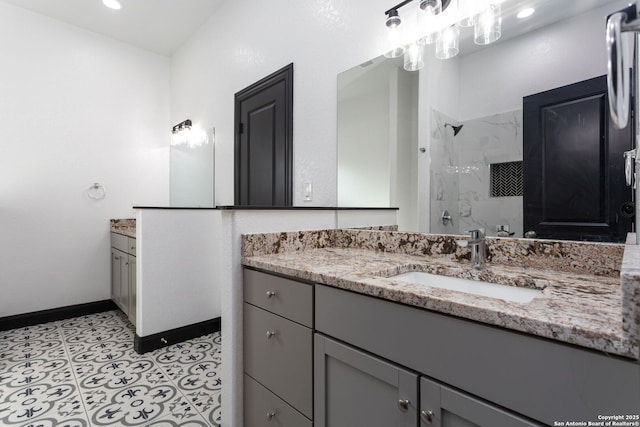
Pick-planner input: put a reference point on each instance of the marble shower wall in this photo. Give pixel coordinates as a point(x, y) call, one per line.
point(461, 172)
point(444, 175)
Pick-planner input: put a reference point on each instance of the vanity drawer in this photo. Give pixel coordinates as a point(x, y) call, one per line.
point(263, 408)
point(120, 242)
point(287, 298)
point(131, 245)
point(282, 362)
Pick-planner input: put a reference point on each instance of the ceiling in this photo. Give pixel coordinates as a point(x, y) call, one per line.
point(160, 26)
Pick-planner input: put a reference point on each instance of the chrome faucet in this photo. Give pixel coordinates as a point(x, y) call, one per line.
point(478, 247)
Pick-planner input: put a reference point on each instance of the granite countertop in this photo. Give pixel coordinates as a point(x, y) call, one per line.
point(125, 227)
point(581, 308)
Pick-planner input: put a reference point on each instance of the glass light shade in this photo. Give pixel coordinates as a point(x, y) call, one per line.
point(112, 4)
point(414, 57)
point(427, 19)
point(448, 43)
point(394, 45)
point(431, 7)
point(467, 9)
point(430, 38)
point(488, 26)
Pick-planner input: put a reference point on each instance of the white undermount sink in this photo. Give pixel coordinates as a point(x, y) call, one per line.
point(485, 289)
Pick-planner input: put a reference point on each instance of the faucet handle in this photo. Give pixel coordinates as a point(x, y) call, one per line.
point(477, 233)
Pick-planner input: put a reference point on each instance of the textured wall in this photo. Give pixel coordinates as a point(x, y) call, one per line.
point(77, 108)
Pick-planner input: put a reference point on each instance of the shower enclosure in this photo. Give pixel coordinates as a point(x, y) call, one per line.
point(623, 64)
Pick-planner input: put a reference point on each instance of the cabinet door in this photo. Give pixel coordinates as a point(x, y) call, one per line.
point(117, 263)
point(120, 279)
point(441, 406)
point(132, 288)
point(124, 285)
point(353, 388)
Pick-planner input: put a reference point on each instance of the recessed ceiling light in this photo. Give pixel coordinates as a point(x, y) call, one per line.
point(112, 4)
point(525, 13)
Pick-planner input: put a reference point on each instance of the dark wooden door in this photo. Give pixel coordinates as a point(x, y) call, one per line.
point(574, 185)
point(263, 141)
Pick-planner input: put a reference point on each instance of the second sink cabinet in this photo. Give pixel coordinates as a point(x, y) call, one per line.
point(278, 351)
point(373, 357)
point(123, 274)
point(356, 388)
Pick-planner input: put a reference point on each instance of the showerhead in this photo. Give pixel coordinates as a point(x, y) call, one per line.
point(456, 129)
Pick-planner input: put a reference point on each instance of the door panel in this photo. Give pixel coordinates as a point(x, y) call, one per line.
point(353, 388)
point(264, 125)
point(573, 165)
point(451, 408)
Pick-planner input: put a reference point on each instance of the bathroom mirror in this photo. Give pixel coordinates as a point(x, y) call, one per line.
point(431, 141)
point(191, 173)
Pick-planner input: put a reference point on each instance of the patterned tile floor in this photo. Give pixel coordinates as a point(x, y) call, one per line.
point(84, 372)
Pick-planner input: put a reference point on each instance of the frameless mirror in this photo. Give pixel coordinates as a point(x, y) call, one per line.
point(191, 177)
point(431, 141)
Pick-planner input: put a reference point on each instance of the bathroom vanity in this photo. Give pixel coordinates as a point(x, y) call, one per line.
point(388, 352)
point(123, 273)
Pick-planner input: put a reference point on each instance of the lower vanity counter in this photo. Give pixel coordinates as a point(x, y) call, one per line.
point(390, 353)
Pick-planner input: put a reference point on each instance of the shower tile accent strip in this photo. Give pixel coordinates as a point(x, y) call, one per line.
point(84, 372)
point(582, 302)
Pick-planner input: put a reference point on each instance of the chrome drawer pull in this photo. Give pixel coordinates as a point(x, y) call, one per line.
point(427, 417)
point(271, 294)
point(403, 404)
point(270, 334)
point(270, 415)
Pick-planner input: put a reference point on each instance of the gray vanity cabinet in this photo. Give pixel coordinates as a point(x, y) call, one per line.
point(353, 388)
point(123, 274)
point(532, 378)
point(278, 351)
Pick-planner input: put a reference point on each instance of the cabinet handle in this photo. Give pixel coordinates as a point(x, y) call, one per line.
point(271, 294)
point(403, 404)
point(117, 257)
point(427, 417)
point(270, 334)
point(270, 415)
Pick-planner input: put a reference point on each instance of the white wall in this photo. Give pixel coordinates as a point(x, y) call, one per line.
point(76, 108)
point(177, 268)
point(245, 41)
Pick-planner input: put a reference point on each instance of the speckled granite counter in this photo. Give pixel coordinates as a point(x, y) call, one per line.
point(582, 300)
point(126, 227)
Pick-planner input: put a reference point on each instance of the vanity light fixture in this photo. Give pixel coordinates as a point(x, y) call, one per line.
point(483, 15)
point(184, 133)
point(182, 126)
point(180, 133)
point(112, 4)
